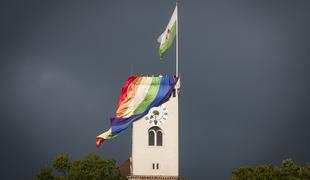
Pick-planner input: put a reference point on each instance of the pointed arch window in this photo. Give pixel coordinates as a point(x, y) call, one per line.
point(155, 136)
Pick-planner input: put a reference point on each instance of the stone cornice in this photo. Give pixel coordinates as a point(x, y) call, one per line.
point(141, 177)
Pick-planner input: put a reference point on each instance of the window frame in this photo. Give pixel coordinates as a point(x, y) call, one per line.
point(156, 131)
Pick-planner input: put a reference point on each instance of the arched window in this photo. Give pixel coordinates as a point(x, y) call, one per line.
point(155, 136)
point(159, 138)
point(151, 137)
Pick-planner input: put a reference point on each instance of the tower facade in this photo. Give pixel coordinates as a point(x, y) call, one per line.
point(155, 142)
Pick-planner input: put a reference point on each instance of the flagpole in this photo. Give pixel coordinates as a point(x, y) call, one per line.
point(177, 44)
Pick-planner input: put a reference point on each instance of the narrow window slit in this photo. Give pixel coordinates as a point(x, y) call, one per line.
point(173, 93)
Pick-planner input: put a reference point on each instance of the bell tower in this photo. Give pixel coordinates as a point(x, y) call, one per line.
point(155, 142)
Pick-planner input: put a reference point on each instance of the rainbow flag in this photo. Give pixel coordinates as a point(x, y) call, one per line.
point(139, 95)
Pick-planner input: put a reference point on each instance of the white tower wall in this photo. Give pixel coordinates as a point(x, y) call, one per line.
point(167, 155)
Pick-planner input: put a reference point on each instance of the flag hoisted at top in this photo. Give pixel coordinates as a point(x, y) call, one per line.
point(167, 37)
point(141, 93)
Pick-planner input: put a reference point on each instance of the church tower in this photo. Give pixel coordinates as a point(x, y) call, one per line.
point(155, 142)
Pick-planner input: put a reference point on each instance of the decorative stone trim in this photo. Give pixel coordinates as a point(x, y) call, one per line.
point(141, 177)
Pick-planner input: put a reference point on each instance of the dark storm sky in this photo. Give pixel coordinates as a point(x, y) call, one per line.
point(244, 71)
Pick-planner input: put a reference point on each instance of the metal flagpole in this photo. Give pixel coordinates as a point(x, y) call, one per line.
point(177, 43)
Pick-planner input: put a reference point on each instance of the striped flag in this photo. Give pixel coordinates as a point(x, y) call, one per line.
point(167, 37)
point(139, 95)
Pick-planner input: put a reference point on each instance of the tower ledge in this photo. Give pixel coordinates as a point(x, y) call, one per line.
point(141, 177)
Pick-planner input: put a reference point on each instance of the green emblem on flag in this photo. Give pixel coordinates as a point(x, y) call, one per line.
point(167, 37)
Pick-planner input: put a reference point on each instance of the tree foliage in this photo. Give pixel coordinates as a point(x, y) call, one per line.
point(89, 167)
point(288, 171)
point(45, 173)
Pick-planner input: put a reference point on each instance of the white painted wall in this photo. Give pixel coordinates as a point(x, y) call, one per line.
point(143, 155)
